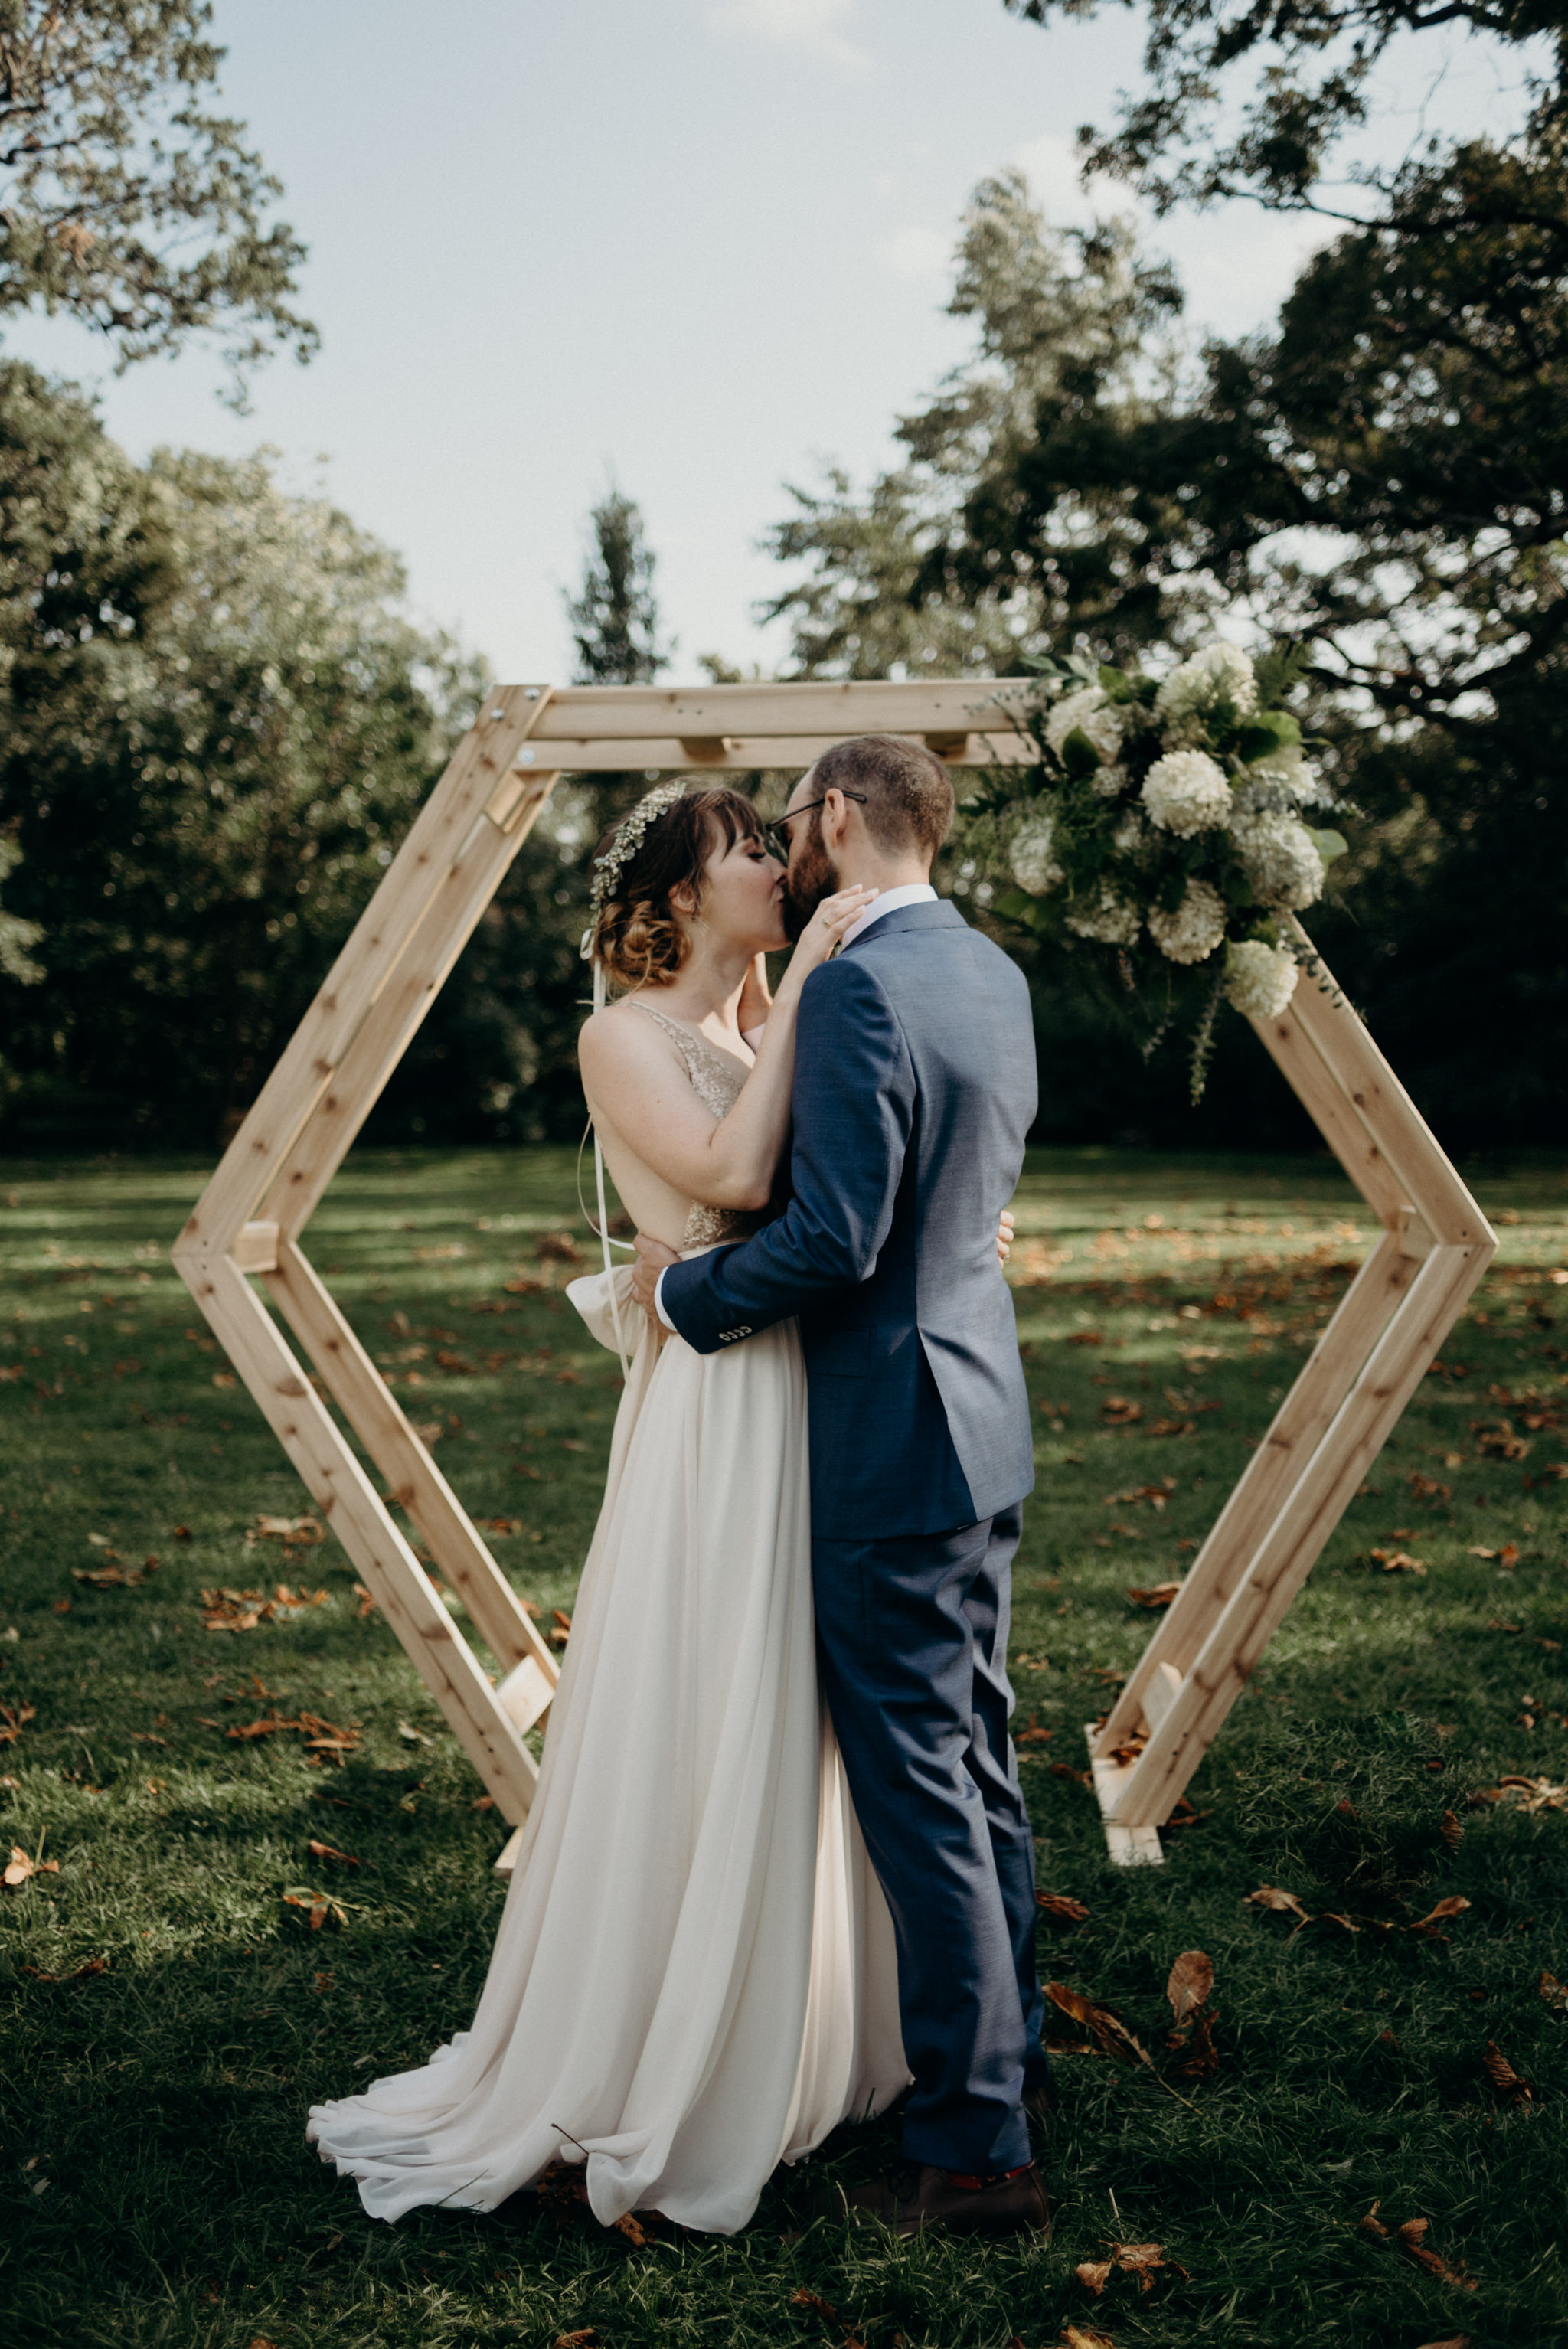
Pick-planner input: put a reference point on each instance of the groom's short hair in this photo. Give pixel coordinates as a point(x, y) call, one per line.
point(908, 792)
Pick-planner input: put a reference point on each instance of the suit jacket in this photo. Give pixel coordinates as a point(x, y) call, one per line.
point(914, 1088)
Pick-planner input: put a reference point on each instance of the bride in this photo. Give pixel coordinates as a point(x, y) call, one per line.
point(694, 1976)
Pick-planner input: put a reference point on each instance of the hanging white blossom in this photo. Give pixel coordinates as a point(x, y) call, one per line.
point(1260, 979)
point(1186, 791)
point(1280, 858)
point(1192, 932)
point(1089, 712)
point(1034, 866)
point(1108, 916)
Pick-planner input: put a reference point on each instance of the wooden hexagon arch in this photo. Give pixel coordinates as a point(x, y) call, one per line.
point(248, 1221)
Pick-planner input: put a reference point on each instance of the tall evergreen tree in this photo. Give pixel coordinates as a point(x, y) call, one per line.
point(613, 615)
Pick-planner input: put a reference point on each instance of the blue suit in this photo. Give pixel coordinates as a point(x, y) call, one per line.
point(915, 1089)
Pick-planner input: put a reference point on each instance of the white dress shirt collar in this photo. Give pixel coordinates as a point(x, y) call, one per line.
point(892, 901)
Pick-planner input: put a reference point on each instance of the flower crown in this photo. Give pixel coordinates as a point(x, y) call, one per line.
point(628, 839)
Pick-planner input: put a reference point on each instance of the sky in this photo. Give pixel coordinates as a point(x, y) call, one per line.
point(696, 248)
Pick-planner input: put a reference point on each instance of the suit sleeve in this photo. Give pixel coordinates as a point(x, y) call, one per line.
point(855, 1101)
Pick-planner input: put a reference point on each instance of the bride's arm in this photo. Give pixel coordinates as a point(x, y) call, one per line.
point(634, 1079)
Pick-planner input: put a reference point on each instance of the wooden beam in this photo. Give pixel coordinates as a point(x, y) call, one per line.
point(1294, 1542)
point(666, 754)
point(354, 1509)
point(1299, 1427)
point(459, 895)
point(416, 1483)
point(378, 941)
point(831, 712)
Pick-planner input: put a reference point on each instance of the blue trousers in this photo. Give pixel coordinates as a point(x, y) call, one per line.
point(912, 1636)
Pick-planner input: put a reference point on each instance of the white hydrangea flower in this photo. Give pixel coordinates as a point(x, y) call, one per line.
point(1221, 672)
point(1260, 979)
point(1128, 832)
point(1186, 791)
point(1193, 931)
point(1087, 712)
point(1287, 770)
point(1109, 916)
point(1108, 781)
point(1281, 859)
point(1034, 867)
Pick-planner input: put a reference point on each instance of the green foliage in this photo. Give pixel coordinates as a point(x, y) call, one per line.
point(215, 727)
point(614, 613)
point(922, 576)
point(125, 201)
point(1304, 72)
point(157, 2191)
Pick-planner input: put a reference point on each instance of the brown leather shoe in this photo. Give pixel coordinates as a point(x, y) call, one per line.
point(916, 2196)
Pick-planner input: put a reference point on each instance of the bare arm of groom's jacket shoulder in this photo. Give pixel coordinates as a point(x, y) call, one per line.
point(854, 1103)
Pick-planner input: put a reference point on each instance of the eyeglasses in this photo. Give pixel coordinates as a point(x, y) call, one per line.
point(774, 830)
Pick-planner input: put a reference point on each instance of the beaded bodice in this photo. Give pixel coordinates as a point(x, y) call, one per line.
point(716, 1081)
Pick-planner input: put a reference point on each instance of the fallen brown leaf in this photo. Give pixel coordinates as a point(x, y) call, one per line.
point(294, 1533)
point(627, 2225)
point(1190, 1979)
point(13, 1720)
point(1554, 1992)
point(1120, 1410)
point(1371, 2224)
point(1454, 1906)
point(1032, 1734)
point(1160, 1595)
point(1503, 2076)
point(1077, 2336)
point(1107, 2028)
point(330, 1851)
point(21, 1868)
point(1399, 1561)
point(802, 2298)
point(1092, 2275)
point(1408, 2239)
point(1451, 1832)
point(586, 2337)
point(1062, 1905)
point(1269, 1896)
point(1139, 2260)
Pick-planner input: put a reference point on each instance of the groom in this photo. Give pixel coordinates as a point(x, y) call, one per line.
point(914, 1088)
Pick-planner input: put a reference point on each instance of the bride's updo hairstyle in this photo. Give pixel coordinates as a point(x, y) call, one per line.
point(638, 935)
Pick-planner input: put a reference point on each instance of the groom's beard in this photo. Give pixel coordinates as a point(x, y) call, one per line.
point(813, 877)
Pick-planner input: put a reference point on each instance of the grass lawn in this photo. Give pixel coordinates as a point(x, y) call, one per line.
point(170, 2011)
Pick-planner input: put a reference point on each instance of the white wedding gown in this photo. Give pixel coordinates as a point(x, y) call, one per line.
point(694, 1976)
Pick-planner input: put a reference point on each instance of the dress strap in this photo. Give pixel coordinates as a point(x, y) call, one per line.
point(690, 1046)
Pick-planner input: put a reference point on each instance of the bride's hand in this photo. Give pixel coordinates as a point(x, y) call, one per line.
point(827, 926)
point(1004, 1237)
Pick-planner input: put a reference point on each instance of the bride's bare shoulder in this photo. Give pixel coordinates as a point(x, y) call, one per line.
point(619, 1037)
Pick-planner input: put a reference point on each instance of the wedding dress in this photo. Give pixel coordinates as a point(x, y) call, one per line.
point(694, 1976)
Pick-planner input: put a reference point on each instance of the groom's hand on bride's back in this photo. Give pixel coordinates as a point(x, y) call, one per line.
point(652, 1257)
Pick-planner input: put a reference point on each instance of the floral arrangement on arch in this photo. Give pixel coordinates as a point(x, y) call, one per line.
point(1167, 820)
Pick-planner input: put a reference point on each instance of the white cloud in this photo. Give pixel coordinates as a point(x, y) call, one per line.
point(811, 26)
point(917, 252)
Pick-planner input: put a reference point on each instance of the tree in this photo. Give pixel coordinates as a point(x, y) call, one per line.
point(1306, 69)
point(614, 613)
point(926, 573)
point(215, 727)
point(125, 200)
